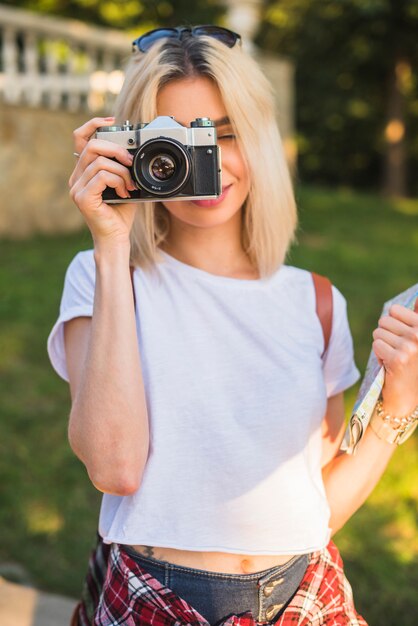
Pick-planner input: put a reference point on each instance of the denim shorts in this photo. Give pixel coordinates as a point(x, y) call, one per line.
point(216, 595)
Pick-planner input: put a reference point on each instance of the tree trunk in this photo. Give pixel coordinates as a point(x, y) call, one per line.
point(395, 170)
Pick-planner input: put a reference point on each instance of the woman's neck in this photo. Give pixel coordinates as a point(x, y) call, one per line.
point(218, 253)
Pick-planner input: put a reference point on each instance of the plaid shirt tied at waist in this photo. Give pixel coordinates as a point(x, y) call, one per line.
point(133, 597)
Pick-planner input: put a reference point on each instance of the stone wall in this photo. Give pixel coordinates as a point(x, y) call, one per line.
point(281, 74)
point(36, 160)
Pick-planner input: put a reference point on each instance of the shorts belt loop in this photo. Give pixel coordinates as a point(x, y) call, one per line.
point(167, 575)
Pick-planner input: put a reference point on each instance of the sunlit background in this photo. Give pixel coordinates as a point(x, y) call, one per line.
point(345, 78)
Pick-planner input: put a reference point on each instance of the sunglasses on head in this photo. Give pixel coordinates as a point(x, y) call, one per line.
point(147, 40)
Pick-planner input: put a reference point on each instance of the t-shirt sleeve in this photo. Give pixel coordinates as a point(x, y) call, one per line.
point(76, 301)
point(340, 371)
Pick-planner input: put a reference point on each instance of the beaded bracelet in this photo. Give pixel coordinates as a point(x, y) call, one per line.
point(391, 428)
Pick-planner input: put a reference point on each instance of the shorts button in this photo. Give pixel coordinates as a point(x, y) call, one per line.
point(272, 610)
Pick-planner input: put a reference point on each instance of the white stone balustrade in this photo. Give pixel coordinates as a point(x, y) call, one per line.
point(59, 63)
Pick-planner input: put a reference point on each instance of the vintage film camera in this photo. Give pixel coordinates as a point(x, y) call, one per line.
point(171, 161)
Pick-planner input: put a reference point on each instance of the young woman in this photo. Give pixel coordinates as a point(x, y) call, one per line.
point(205, 414)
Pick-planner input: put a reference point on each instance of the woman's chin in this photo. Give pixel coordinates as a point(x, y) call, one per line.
point(206, 213)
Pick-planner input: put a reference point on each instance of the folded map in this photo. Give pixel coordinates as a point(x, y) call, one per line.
point(372, 384)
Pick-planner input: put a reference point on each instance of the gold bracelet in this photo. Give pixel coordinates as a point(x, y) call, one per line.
point(391, 428)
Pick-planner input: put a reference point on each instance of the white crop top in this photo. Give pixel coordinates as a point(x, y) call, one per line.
point(236, 392)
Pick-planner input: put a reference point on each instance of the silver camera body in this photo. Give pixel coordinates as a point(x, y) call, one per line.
point(170, 161)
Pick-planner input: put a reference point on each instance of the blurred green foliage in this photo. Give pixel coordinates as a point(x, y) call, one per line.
point(48, 507)
point(129, 14)
point(346, 52)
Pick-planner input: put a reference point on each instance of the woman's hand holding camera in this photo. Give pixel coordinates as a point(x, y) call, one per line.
point(95, 170)
point(396, 347)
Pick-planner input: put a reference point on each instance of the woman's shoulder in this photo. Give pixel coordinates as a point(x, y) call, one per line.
point(83, 263)
point(303, 275)
point(84, 257)
point(297, 275)
point(301, 281)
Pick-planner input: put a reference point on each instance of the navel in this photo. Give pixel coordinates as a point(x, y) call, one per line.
point(246, 566)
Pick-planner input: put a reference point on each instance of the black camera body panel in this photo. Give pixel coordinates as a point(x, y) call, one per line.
point(171, 161)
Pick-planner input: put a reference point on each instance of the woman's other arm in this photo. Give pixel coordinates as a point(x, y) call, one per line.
point(349, 479)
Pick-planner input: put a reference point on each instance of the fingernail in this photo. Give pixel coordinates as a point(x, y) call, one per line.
point(108, 119)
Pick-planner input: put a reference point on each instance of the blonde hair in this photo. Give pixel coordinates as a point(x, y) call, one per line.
point(269, 213)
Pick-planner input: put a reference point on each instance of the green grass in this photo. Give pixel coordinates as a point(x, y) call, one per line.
point(368, 247)
point(48, 509)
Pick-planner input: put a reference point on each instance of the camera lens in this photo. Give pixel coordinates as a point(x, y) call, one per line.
point(162, 167)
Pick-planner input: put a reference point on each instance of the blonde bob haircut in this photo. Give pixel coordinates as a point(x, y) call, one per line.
point(269, 214)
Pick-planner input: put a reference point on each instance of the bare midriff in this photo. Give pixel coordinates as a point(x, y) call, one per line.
point(223, 562)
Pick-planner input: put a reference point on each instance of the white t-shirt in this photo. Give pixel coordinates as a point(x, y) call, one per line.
point(236, 392)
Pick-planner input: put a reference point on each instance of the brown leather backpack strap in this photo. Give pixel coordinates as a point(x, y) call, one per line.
point(324, 306)
point(132, 269)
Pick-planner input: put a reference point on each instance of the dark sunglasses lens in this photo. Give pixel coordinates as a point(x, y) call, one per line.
point(224, 35)
point(145, 42)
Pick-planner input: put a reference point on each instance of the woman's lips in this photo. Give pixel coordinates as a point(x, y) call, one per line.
point(215, 201)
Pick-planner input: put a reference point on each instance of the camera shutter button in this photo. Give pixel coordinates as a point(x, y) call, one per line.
point(202, 122)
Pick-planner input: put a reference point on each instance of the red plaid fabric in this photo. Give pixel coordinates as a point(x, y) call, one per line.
point(133, 597)
point(93, 584)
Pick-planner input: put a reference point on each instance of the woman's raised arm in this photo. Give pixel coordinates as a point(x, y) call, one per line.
point(108, 426)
